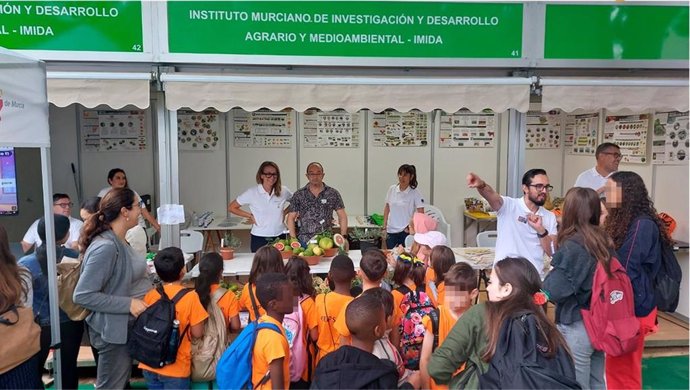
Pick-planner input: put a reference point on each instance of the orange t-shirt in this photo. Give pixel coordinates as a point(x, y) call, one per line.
point(246, 302)
point(445, 324)
point(398, 297)
point(189, 312)
point(268, 347)
point(311, 321)
point(328, 306)
point(430, 275)
point(440, 290)
point(228, 304)
point(341, 326)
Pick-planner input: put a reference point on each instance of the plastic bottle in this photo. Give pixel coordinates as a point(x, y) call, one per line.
point(195, 219)
point(173, 343)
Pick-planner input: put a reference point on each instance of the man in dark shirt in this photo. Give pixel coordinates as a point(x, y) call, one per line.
point(313, 206)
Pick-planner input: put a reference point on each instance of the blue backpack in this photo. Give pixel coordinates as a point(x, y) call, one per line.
point(234, 369)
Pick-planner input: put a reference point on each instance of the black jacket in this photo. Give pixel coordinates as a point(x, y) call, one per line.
point(352, 368)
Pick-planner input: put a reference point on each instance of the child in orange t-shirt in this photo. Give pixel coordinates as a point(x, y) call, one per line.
point(441, 258)
point(461, 290)
point(266, 259)
point(169, 264)
point(271, 354)
point(298, 272)
point(329, 305)
point(210, 273)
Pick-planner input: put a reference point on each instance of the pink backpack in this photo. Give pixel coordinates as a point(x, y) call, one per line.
point(610, 321)
point(293, 324)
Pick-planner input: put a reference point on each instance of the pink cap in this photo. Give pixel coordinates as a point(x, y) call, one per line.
point(423, 223)
point(431, 239)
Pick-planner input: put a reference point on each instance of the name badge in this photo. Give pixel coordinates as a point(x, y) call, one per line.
point(522, 219)
point(324, 201)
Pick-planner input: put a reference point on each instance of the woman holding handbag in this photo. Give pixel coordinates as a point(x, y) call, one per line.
point(112, 284)
point(18, 332)
point(638, 236)
point(70, 331)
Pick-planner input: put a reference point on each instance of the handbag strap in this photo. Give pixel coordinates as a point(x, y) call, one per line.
point(637, 227)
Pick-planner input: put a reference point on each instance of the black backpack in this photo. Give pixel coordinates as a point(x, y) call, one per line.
point(667, 280)
point(149, 338)
point(520, 361)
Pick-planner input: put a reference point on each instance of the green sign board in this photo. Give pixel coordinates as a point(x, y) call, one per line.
point(346, 29)
point(616, 32)
point(100, 26)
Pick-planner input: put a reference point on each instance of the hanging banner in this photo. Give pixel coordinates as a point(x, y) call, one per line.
point(113, 131)
point(544, 130)
point(629, 132)
point(393, 128)
point(263, 129)
point(96, 26)
point(346, 28)
point(466, 129)
point(198, 130)
point(334, 129)
point(581, 133)
point(670, 140)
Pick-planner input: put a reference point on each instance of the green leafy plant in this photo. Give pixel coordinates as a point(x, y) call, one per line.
point(365, 234)
point(231, 241)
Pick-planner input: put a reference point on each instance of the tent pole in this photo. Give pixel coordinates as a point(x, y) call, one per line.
point(52, 262)
point(517, 128)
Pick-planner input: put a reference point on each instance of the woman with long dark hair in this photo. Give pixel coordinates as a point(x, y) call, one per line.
point(402, 200)
point(266, 202)
point(582, 244)
point(70, 331)
point(15, 290)
point(638, 236)
point(112, 284)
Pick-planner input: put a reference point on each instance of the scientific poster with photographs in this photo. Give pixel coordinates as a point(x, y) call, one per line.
point(465, 129)
point(581, 133)
point(263, 129)
point(670, 141)
point(544, 129)
point(198, 130)
point(113, 131)
point(629, 132)
point(393, 128)
point(330, 129)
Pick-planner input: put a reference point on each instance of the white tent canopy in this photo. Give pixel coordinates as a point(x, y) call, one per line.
point(620, 94)
point(224, 92)
point(23, 108)
point(90, 89)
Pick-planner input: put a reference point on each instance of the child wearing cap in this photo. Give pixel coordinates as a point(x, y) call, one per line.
point(329, 305)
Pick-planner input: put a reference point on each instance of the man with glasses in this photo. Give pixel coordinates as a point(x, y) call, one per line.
point(525, 227)
point(608, 157)
point(312, 207)
point(62, 205)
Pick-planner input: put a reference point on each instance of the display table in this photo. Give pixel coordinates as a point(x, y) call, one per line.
point(481, 220)
point(478, 258)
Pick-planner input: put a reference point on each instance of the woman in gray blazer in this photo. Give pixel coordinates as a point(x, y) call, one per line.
point(112, 284)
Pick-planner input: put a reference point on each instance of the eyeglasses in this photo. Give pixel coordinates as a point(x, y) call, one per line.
point(614, 154)
point(541, 187)
point(64, 205)
point(269, 174)
point(314, 174)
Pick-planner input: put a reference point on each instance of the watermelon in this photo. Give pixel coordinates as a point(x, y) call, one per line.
point(279, 245)
point(339, 240)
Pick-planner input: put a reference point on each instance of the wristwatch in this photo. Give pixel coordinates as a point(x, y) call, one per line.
point(546, 233)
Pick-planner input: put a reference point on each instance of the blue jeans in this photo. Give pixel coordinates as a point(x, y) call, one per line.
point(258, 241)
point(395, 239)
point(157, 381)
point(589, 363)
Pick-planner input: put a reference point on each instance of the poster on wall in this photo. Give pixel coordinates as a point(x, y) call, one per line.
point(198, 130)
point(468, 130)
point(393, 128)
point(544, 130)
point(670, 141)
point(113, 131)
point(581, 133)
point(629, 132)
point(333, 129)
point(263, 129)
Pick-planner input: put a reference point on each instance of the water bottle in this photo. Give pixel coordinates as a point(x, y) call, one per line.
point(195, 219)
point(173, 343)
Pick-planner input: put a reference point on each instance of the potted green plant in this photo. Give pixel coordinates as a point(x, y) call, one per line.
point(362, 238)
point(228, 245)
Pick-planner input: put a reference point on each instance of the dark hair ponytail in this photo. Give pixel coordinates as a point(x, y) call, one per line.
point(110, 207)
point(210, 270)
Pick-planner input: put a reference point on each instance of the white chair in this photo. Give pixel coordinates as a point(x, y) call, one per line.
point(442, 225)
point(191, 242)
point(487, 238)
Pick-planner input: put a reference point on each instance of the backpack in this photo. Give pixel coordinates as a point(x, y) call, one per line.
point(435, 316)
point(149, 338)
point(610, 321)
point(293, 324)
point(234, 369)
point(207, 350)
point(520, 361)
point(667, 280)
point(67, 279)
point(414, 305)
